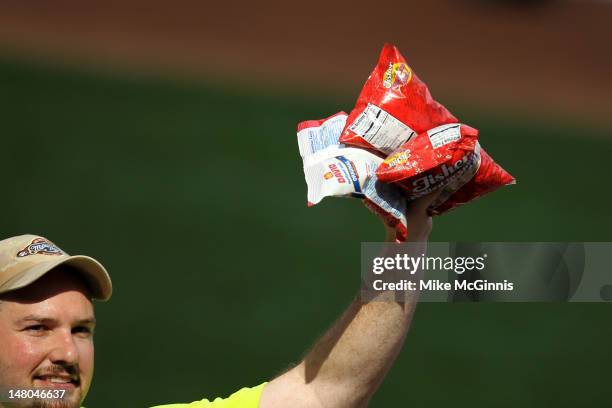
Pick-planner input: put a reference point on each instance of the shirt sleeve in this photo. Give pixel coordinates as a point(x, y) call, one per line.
point(244, 398)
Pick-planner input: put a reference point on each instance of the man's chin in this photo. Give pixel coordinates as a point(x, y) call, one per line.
point(65, 403)
point(61, 395)
point(72, 401)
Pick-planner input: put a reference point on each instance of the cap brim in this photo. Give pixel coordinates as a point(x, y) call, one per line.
point(95, 275)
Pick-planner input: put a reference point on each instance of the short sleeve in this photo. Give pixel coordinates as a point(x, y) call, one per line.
point(244, 398)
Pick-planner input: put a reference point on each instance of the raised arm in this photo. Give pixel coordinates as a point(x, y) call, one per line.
point(348, 363)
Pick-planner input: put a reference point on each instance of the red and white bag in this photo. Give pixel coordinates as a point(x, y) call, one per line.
point(427, 149)
point(447, 158)
point(393, 106)
point(489, 177)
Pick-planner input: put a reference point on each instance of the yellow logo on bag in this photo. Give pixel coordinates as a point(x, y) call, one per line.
point(328, 175)
point(398, 158)
point(397, 74)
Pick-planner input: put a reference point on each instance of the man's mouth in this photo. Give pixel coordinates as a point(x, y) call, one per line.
point(56, 381)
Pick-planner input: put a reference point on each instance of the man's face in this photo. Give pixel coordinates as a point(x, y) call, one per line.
point(46, 337)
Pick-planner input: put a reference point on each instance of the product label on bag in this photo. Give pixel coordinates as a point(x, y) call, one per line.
point(380, 129)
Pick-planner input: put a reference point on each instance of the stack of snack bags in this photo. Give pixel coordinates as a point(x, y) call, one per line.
point(406, 145)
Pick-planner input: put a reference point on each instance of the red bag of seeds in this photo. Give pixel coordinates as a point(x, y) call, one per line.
point(442, 156)
point(447, 158)
point(488, 178)
point(394, 105)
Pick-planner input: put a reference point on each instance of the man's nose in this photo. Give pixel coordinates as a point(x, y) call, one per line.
point(64, 349)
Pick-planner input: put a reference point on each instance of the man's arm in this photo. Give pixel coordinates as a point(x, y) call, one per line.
point(346, 366)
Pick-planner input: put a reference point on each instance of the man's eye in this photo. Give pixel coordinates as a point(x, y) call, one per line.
point(82, 330)
point(37, 328)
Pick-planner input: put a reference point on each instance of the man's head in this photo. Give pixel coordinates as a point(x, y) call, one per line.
point(47, 318)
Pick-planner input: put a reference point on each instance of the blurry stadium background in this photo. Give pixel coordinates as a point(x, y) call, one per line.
point(160, 138)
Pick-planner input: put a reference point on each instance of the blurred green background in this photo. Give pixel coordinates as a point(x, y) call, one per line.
point(192, 195)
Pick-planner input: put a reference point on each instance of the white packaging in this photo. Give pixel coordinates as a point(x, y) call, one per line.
point(333, 170)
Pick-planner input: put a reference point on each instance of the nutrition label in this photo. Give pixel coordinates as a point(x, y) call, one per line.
point(380, 129)
point(444, 134)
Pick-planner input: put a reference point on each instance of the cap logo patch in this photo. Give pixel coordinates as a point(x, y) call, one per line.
point(40, 246)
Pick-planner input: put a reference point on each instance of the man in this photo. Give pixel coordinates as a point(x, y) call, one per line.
point(47, 321)
point(47, 324)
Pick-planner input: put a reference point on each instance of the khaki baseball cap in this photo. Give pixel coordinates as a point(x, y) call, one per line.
point(25, 258)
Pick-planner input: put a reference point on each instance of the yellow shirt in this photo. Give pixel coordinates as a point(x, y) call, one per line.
point(244, 398)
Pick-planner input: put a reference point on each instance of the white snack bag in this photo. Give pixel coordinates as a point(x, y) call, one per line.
point(332, 169)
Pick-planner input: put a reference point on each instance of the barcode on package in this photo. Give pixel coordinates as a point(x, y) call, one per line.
point(444, 134)
point(381, 129)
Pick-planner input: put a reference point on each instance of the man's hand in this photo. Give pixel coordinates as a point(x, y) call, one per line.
point(348, 363)
point(418, 222)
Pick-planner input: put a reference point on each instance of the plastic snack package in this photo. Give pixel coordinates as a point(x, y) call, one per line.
point(394, 105)
point(316, 135)
point(448, 157)
point(445, 156)
point(334, 170)
point(488, 178)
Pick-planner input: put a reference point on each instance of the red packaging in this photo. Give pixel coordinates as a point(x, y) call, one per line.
point(488, 178)
point(393, 106)
point(449, 158)
point(442, 157)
